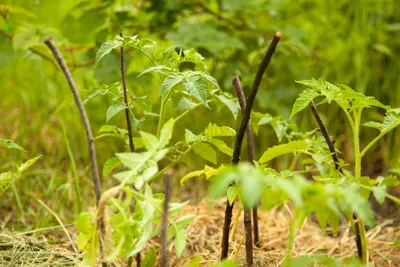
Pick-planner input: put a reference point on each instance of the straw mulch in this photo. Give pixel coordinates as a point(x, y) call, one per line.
point(204, 236)
point(52, 248)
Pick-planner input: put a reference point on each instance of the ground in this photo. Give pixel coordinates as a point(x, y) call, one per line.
point(51, 247)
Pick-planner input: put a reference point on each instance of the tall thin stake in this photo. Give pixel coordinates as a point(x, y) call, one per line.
point(240, 135)
point(164, 222)
point(335, 159)
point(250, 149)
point(128, 119)
point(128, 124)
point(92, 151)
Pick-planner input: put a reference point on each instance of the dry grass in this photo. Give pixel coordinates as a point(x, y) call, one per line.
point(204, 234)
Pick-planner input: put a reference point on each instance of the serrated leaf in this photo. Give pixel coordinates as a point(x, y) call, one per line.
point(180, 241)
point(106, 48)
point(303, 101)
point(6, 179)
point(191, 137)
point(232, 193)
point(110, 165)
point(158, 69)
point(185, 104)
point(191, 175)
point(166, 133)
point(170, 82)
point(27, 164)
point(197, 87)
point(10, 144)
point(279, 150)
point(222, 146)
point(150, 258)
point(114, 109)
point(206, 152)
point(232, 105)
point(213, 130)
point(379, 193)
point(184, 220)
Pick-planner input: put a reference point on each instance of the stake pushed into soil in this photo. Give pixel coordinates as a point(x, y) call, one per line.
point(335, 159)
point(240, 135)
point(92, 151)
point(250, 148)
point(128, 124)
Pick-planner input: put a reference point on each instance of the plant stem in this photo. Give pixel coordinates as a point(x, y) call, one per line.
point(164, 100)
point(164, 221)
point(248, 234)
point(92, 151)
point(250, 149)
point(128, 119)
point(239, 137)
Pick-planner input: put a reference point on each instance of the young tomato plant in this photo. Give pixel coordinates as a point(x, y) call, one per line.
point(353, 104)
point(128, 230)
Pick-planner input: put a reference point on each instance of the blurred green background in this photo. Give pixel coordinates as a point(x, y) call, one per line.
point(353, 42)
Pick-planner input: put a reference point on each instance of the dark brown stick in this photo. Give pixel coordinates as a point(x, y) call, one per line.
point(164, 221)
point(249, 239)
point(250, 147)
point(240, 135)
point(128, 120)
point(326, 135)
point(335, 159)
point(128, 124)
point(92, 150)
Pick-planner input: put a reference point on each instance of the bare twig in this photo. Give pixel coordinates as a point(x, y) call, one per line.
point(92, 151)
point(250, 148)
point(240, 135)
point(128, 120)
point(164, 222)
point(326, 135)
point(335, 159)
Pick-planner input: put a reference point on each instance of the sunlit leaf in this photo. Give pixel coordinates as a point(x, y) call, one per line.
point(279, 150)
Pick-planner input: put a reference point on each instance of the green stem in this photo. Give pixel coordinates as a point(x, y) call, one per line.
point(164, 100)
point(373, 142)
point(356, 136)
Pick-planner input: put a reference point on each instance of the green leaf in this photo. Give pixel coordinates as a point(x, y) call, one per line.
point(170, 83)
point(380, 193)
point(180, 241)
point(185, 104)
point(191, 175)
point(85, 222)
point(191, 137)
point(206, 152)
point(106, 48)
point(150, 258)
point(303, 101)
point(233, 105)
point(158, 69)
point(185, 220)
point(196, 86)
point(27, 164)
point(213, 130)
point(6, 179)
point(10, 144)
point(110, 165)
point(166, 133)
point(279, 150)
point(114, 109)
point(221, 145)
point(232, 193)
point(207, 77)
